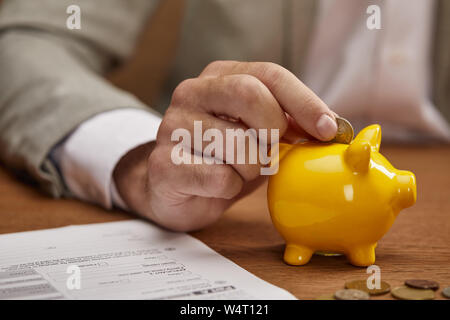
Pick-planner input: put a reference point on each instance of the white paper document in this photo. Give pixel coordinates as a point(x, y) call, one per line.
point(121, 260)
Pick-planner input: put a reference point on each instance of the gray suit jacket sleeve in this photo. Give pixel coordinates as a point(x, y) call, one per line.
point(51, 77)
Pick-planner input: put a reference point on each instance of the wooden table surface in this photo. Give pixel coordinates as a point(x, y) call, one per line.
point(417, 246)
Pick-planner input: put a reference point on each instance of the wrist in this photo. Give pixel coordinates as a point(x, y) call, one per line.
point(131, 179)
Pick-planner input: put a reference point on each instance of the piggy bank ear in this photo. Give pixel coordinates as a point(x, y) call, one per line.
point(357, 156)
point(371, 135)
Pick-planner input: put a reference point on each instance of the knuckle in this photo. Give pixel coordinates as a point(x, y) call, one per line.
point(157, 162)
point(249, 172)
point(272, 72)
point(183, 91)
point(222, 181)
point(215, 67)
point(169, 122)
point(248, 88)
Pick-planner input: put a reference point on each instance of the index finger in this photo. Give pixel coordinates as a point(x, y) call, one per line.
point(300, 102)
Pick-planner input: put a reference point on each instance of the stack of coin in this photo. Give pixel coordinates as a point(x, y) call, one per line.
point(416, 289)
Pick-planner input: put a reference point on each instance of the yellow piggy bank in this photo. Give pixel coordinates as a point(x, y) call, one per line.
point(337, 198)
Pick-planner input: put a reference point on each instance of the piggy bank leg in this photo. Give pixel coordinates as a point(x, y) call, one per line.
point(362, 256)
point(297, 255)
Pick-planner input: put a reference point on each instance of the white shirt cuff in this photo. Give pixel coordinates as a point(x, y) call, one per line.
point(87, 158)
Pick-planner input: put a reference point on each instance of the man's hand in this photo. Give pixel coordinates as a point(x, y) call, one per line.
point(226, 95)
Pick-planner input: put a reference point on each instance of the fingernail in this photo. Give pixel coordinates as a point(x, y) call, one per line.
point(326, 127)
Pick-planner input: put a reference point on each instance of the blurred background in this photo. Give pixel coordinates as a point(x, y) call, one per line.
point(397, 76)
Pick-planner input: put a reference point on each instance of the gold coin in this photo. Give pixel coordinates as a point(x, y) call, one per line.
point(351, 294)
point(407, 293)
point(344, 131)
point(446, 292)
point(362, 285)
point(326, 297)
point(422, 284)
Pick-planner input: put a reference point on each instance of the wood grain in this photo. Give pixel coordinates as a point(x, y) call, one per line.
point(417, 246)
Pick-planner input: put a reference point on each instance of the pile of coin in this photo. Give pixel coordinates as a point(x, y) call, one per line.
point(414, 289)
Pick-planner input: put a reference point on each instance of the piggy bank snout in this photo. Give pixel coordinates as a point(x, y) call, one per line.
point(406, 190)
